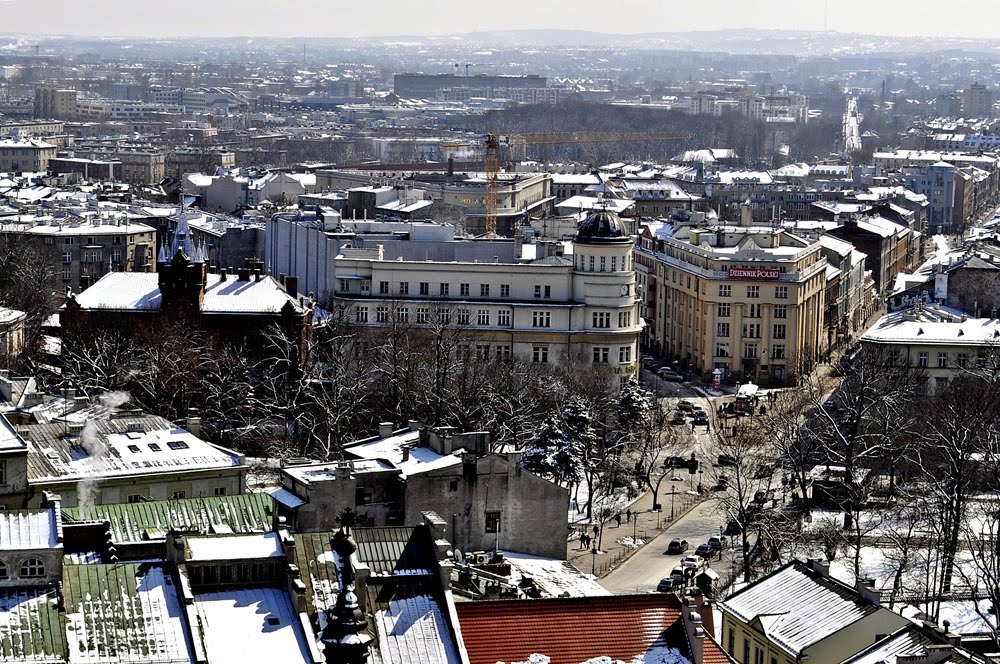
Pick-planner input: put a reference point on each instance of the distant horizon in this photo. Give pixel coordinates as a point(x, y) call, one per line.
point(438, 19)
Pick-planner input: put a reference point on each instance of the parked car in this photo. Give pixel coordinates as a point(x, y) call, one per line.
point(723, 483)
point(679, 417)
point(697, 409)
point(666, 585)
point(700, 419)
point(692, 562)
point(704, 551)
point(732, 528)
point(682, 574)
point(727, 460)
point(669, 374)
point(685, 405)
point(718, 542)
point(677, 546)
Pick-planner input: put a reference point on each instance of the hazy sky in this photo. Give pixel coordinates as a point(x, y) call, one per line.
point(360, 18)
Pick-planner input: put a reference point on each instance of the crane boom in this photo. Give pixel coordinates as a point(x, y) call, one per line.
point(492, 143)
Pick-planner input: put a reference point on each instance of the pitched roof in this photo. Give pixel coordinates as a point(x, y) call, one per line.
point(141, 522)
point(31, 627)
point(571, 630)
point(712, 652)
point(797, 607)
point(28, 529)
point(910, 641)
point(124, 613)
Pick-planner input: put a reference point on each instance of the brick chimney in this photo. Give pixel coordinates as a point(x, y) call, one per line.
point(292, 286)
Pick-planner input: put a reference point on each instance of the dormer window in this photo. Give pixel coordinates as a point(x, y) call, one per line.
point(177, 445)
point(154, 447)
point(134, 449)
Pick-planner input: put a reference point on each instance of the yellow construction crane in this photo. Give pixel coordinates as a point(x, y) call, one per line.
point(492, 143)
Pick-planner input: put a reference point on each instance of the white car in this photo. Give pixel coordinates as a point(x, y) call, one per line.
point(692, 561)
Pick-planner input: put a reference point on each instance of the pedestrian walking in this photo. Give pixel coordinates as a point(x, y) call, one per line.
point(628, 516)
point(597, 530)
point(618, 520)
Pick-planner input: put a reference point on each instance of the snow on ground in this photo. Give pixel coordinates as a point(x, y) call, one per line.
point(961, 616)
point(630, 543)
point(616, 502)
point(553, 577)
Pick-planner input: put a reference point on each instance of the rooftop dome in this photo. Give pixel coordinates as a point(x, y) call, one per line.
point(602, 227)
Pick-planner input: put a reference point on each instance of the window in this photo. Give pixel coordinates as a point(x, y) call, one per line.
point(547, 292)
point(591, 263)
point(538, 291)
point(425, 288)
point(463, 290)
point(177, 445)
point(403, 314)
point(482, 351)
point(602, 319)
point(601, 354)
point(614, 263)
point(503, 318)
point(443, 289)
point(624, 354)
point(725, 290)
point(68, 240)
point(219, 491)
point(778, 352)
point(154, 447)
point(484, 290)
point(504, 290)
point(32, 568)
point(963, 360)
point(366, 286)
point(541, 319)
point(453, 486)
point(493, 522)
point(381, 314)
point(746, 650)
point(753, 291)
point(540, 354)
point(722, 350)
point(732, 642)
point(781, 292)
point(723, 310)
point(404, 287)
point(133, 498)
point(178, 495)
point(604, 261)
point(423, 315)
point(781, 311)
point(484, 317)
point(779, 331)
point(363, 496)
point(753, 311)
point(722, 330)
point(922, 359)
point(3, 473)
point(463, 316)
point(383, 287)
point(942, 359)
point(67, 275)
point(345, 284)
point(4, 574)
point(444, 316)
point(361, 314)
point(750, 350)
point(624, 318)
point(67, 257)
point(116, 255)
point(503, 352)
point(751, 330)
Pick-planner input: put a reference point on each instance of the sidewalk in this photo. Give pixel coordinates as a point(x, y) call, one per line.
point(646, 525)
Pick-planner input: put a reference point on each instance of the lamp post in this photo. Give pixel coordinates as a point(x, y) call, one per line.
point(673, 492)
point(593, 566)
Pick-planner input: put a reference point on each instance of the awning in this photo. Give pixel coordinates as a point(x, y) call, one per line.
point(287, 498)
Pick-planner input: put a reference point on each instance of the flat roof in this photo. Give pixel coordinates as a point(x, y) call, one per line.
point(234, 547)
point(28, 529)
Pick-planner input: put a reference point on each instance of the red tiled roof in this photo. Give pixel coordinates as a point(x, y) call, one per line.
point(712, 652)
point(570, 630)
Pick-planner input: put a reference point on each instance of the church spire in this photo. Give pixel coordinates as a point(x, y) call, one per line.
point(182, 236)
point(345, 636)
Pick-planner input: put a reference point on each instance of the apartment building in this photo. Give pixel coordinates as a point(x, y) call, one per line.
point(25, 155)
point(577, 307)
point(746, 301)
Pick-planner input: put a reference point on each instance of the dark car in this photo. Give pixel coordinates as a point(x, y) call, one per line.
point(667, 585)
point(677, 546)
point(717, 542)
point(700, 420)
point(704, 550)
point(727, 460)
point(678, 418)
point(723, 483)
point(732, 528)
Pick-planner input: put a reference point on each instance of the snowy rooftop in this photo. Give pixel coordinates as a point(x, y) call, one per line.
point(26, 614)
point(9, 440)
point(932, 326)
point(553, 577)
point(140, 291)
point(28, 530)
point(402, 452)
point(234, 547)
point(906, 644)
point(110, 449)
point(413, 629)
point(124, 613)
point(797, 607)
point(252, 625)
point(8, 316)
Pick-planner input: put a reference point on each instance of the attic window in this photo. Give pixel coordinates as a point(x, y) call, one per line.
point(177, 445)
point(134, 449)
point(154, 447)
point(273, 621)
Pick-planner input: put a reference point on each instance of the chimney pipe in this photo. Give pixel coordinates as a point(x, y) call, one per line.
point(292, 286)
point(222, 274)
point(385, 429)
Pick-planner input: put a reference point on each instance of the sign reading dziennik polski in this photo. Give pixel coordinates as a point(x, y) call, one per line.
point(754, 273)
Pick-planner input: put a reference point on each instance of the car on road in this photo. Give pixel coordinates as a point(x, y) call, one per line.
point(704, 551)
point(685, 405)
point(700, 419)
point(667, 584)
point(697, 409)
point(692, 562)
point(732, 528)
point(727, 460)
point(679, 417)
point(717, 542)
point(723, 483)
point(677, 546)
point(670, 374)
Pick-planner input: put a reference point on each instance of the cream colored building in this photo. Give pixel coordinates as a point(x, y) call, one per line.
point(745, 300)
point(25, 155)
point(580, 306)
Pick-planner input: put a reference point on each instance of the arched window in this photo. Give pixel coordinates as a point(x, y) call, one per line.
point(32, 568)
point(3, 570)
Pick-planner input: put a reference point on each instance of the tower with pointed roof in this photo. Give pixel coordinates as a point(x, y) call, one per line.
point(182, 269)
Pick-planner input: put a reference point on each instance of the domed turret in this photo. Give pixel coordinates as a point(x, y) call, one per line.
point(602, 227)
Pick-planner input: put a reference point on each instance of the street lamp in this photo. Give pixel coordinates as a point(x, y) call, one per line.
point(593, 566)
point(673, 492)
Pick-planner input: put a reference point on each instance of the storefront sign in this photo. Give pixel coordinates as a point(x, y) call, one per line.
point(754, 273)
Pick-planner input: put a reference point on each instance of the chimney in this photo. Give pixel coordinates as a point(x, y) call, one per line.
point(819, 566)
point(194, 426)
point(385, 429)
point(866, 588)
point(243, 274)
point(292, 286)
point(222, 274)
point(695, 629)
point(281, 278)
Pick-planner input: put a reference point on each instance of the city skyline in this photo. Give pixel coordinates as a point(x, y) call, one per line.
point(228, 18)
